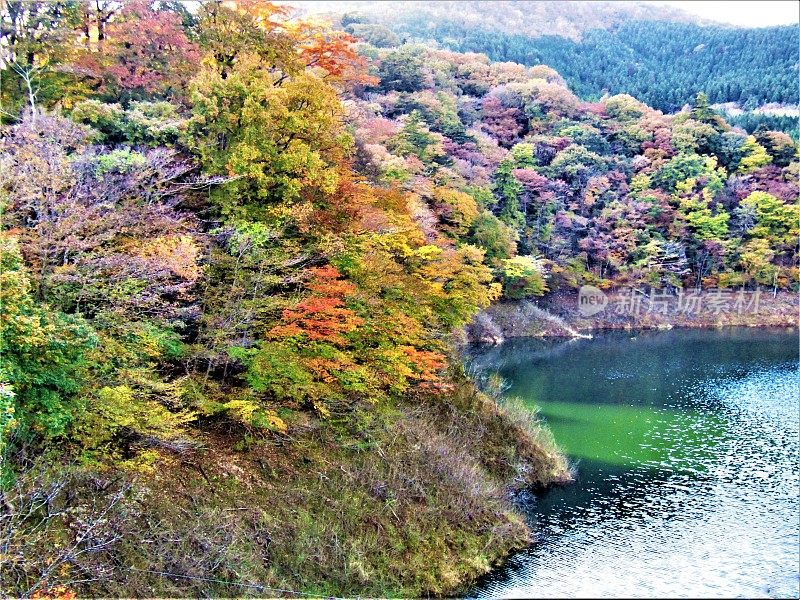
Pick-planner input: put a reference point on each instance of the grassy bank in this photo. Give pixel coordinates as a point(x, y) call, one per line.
point(412, 501)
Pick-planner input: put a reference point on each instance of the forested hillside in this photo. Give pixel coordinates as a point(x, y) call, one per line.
point(663, 64)
point(531, 18)
point(599, 193)
point(237, 251)
point(660, 57)
point(225, 359)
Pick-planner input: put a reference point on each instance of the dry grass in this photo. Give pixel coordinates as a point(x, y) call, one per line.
point(404, 500)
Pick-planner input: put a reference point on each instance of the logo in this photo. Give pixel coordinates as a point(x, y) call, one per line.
point(591, 300)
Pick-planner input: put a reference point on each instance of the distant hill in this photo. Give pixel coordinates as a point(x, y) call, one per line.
point(659, 54)
point(527, 18)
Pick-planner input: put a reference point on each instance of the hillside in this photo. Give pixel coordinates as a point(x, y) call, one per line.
point(236, 272)
point(530, 18)
point(660, 55)
point(226, 359)
point(604, 193)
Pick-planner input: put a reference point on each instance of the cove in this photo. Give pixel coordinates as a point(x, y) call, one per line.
point(686, 450)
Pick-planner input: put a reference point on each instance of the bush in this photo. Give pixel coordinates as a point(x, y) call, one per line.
point(144, 123)
point(107, 119)
point(153, 124)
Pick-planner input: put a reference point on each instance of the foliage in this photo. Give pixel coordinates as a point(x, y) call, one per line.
point(377, 35)
point(266, 253)
point(754, 156)
point(401, 70)
point(498, 240)
point(148, 54)
point(231, 110)
point(523, 276)
point(458, 210)
point(43, 353)
point(682, 167)
point(35, 55)
point(608, 191)
point(775, 221)
point(322, 317)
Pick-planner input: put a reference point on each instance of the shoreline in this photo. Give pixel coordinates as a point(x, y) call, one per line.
point(557, 315)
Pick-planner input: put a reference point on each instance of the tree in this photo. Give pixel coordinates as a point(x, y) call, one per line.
point(402, 70)
point(624, 107)
point(523, 276)
point(509, 190)
point(113, 262)
point(504, 124)
point(101, 232)
point(322, 317)
point(702, 112)
point(754, 156)
point(775, 221)
point(377, 35)
point(692, 136)
point(729, 147)
point(576, 165)
point(756, 259)
point(276, 137)
point(682, 167)
point(778, 145)
point(147, 53)
point(705, 224)
point(332, 54)
point(43, 365)
point(497, 239)
point(37, 41)
point(228, 30)
point(415, 138)
point(457, 210)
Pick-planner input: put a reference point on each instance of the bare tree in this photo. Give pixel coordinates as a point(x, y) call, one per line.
point(50, 522)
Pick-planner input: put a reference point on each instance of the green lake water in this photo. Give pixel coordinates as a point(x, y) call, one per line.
point(687, 453)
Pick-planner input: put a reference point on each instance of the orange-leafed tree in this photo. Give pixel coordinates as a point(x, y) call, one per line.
point(322, 317)
point(333, 52)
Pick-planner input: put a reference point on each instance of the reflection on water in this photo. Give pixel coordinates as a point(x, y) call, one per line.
point(687, 450)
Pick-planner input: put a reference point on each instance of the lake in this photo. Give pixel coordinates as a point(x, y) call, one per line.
point(688, 469)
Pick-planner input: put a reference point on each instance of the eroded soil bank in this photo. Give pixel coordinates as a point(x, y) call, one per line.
point(558, 314)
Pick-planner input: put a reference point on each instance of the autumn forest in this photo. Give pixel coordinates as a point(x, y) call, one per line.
point(238, 251)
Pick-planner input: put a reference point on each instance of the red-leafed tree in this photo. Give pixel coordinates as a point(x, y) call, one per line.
point(147, 53)
point(502, 123)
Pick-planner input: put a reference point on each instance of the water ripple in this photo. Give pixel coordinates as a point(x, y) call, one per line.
point(701, 500)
